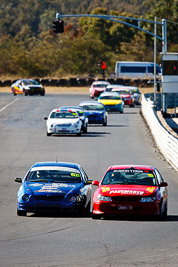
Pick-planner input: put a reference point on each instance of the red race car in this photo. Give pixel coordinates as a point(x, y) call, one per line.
point(97, 88)
point(130, 190)
point(127, 95)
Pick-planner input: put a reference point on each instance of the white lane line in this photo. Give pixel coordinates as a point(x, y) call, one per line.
point(2, 109)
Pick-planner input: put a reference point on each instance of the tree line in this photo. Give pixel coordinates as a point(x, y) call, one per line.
point(29, 48)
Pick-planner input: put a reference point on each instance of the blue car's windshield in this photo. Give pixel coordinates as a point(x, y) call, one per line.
point(92, 107)
point(54, 176)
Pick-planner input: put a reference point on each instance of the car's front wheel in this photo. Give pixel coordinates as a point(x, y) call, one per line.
point(79, 134)
point(85, 129)
point(48, 134)
point(14, 93)
point(96, 216)
point(105, 122)
point(21, 213)
point(25, 92)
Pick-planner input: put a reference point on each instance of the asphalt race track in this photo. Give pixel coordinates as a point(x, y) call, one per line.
point(49, 240)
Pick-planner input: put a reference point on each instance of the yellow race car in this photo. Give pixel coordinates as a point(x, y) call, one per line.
point(112, 101)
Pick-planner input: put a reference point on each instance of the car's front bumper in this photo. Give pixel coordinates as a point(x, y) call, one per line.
point(117, 108)
point(64, 130)
point(50, 206)
point(95, 119)
point(127, 208)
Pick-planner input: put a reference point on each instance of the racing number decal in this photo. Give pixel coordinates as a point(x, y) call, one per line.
point(151, 189)
point(150, 175)
point(75, 174)
point(105, 189)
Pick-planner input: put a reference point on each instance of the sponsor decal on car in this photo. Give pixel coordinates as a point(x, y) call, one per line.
point(105, 189)
point(151, 189)
point(126, 192)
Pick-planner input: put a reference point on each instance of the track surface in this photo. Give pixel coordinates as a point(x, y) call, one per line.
point(34, 241)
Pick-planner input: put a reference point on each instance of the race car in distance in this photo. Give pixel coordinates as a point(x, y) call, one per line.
point(27, 87)
point(54, 187)
point(130, 190)
point(81, 114)
point(112, 101)
point(63, 122)
point(136, 93)
point(112, 86)
point(127, 95)
point(97, 87)
point(95, 112)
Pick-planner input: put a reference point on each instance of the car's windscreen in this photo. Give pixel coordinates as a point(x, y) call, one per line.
point(64, 115)
point(54, 176)
point(135, 91)
point(92, 107)
point(100, 85)
point(123, 92)
point(129, 176)
point(31, 82)
point(114, 97)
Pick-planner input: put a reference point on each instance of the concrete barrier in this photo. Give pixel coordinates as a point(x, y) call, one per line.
point(167, 143)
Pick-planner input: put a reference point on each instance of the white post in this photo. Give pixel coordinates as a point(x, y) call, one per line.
point(164, 50)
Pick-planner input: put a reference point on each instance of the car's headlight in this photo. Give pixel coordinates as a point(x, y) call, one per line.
point(103, 198)
point(76, 125)
point(102, 114)
point(25, 197)
point(147, 199)
point(73, 199)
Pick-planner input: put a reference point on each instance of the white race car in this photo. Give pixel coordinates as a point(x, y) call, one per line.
point(63, 122)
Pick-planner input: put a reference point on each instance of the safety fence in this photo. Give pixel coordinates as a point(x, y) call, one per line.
point(167, 143)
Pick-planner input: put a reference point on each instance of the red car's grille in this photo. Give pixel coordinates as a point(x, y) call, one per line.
point(126, 199)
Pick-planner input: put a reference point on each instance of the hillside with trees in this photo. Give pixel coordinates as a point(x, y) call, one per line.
point(29, 48)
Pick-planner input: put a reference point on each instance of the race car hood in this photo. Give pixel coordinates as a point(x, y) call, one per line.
point(127, 190)
point(63, 121)
point(110, 101)
point(52, 188)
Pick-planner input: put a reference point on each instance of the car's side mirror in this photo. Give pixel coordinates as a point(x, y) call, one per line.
point(89, 182)
point(96, 183)
point(163, 184)
point(18, 180)
point(45, 118)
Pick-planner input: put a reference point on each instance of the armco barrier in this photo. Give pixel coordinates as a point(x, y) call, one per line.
point(167, 143)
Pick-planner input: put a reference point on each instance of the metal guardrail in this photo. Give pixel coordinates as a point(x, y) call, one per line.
point(167, 143)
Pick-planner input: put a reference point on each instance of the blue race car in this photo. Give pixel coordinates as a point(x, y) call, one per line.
point(54, 187)
point(81, 114)
point(95, 112)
